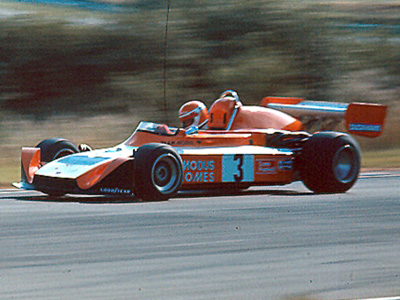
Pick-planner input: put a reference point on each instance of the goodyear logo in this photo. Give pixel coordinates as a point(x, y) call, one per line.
point(116, 190)
point(199, 170)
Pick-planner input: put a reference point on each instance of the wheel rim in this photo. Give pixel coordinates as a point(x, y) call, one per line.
point(345, 164)
point(166, 175)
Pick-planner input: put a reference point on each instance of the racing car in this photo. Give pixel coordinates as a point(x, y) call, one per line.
point(239, 149)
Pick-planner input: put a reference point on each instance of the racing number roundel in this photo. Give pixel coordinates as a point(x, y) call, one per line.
point(237, 168)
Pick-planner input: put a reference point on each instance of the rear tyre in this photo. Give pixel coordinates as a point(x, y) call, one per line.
point(330, 162)
point(158, 172)
point(53, 148)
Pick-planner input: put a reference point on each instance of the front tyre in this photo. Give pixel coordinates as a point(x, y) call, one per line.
point(330, 162)
point(53, 148)
point(158, 172)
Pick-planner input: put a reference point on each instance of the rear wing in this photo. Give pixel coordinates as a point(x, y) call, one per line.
point(364, 119)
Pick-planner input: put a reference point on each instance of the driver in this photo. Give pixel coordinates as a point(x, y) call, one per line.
point(193, 114)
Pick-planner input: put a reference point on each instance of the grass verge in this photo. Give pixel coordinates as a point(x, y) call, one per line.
point(8, 175)
point(389, 158)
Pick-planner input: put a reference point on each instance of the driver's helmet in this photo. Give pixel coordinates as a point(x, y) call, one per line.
point(193, 113)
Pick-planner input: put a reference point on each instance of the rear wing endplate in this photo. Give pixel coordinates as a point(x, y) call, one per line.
point(364, 119)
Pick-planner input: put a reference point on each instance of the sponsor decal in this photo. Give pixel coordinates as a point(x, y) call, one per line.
point(178, 143)
point(365, 127)
point(198, 165)
point(199, 177)
point(115, 191)
point(286, 165)
point(265, 166)
point(199, 170)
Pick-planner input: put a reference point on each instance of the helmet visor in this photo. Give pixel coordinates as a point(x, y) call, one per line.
point(187, 122)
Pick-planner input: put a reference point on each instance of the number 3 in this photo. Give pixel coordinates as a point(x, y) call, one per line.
point(237, 168)
point(239, 177)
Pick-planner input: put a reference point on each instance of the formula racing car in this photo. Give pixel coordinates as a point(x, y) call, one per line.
point(241, 148)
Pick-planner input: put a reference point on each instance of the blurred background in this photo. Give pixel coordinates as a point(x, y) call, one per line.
point(90, 71)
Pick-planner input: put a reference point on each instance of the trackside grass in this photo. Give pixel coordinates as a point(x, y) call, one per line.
point(381, 158)
point(9, 174)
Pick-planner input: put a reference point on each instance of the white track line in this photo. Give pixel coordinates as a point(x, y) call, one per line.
point(387, 298)
point(379, 174)
point(13, 191)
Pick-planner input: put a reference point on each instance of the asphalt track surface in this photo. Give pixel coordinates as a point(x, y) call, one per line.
point(265, 243)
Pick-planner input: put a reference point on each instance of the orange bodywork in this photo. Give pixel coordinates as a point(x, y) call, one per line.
point(220, 113)
point(210, 159)
point(220, 157)
point(258, 117)
point(226, 112)
point(30, 160)
point(207, 138)
point(365, 119)
point(93, 176)
point(283, 100)
point(212, 170)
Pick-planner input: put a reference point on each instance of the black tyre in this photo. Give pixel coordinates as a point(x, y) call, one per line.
point(158, 172)
point(54, 148)
point(51, 149)
point(330, 162)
